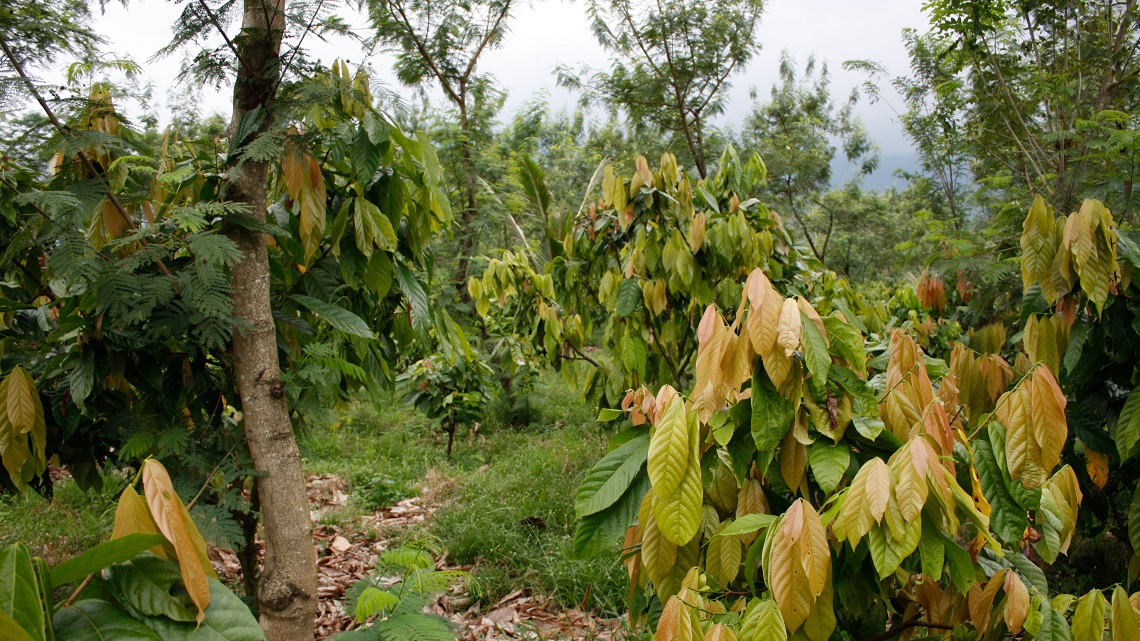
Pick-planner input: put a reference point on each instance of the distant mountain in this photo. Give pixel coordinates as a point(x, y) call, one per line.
point(883, 177)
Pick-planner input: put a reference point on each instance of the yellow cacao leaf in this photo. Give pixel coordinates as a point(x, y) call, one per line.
point(175, 524)
point(789, 330)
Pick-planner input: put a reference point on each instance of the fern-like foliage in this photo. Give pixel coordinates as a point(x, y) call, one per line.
point(217, 525)
point(394, 608)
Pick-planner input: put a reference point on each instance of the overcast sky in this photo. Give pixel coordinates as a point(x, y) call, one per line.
point(552, 32)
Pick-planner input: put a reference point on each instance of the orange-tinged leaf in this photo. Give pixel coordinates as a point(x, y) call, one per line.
point(789, 330)
point(674, 624)
point(1050, 429)
point(132, 515)
point(793, 461)
point(981, 600)
point(1097, 465)
point(1016, 602)
point(175, 524)
point(785, 575)
point(758, 287)
point(764, 319)
point(719, 632)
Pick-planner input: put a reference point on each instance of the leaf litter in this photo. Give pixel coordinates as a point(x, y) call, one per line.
point(346, 555)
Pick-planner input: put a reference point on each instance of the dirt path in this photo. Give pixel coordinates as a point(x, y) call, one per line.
point(346, 555)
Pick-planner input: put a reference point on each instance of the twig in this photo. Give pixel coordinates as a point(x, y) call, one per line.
point(583, 356)
point(912, 622)
point(74, 595)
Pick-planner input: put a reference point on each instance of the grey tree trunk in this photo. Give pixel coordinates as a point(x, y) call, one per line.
point(287, 589)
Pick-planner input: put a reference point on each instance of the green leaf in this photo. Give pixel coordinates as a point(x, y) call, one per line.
point(104, 555)
point(932, 551)
point(1134, 519)
point(378, 274)
point(747, 524)
point(608, 480)
point(599, 532)
point(772, 414)
point(19, 590)
point(1034, 575)
point(151, 586)
point(866, 398)
point(1088, 618)
point(962, 570)
point(373, 601)
point(98, 620)
point(339, 317)
point(417, 297)
point(1008, 520)
point(11, 631)
point(227, 619)
point(1128, 427)
point(815, 352)
point(828, 463)
point(763, 622)
point(629, 297)
point(606, 415)
point(846, 342)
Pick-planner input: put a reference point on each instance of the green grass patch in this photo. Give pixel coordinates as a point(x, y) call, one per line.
point(67, 526)
point(512, 515)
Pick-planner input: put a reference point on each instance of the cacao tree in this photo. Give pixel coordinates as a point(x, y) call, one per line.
point(817, 480)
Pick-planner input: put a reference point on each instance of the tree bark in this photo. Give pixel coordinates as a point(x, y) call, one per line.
point(287, 591)
point(467, 233)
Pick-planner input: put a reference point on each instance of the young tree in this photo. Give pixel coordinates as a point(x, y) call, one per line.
point(672, 62)
point(796, 134)
point(287, 594)
point(441, 41)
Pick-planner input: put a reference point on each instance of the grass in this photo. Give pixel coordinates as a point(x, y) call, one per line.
point(509, 510)
point(71, 523)
point(512, 515)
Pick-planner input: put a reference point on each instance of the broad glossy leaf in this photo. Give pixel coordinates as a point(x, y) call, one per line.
point(828, 464)
point(339, 317)
point(1088, 618)
point(599, 532)
point(20, 591)
point(847, 342)
point(1007, 518)
point(1125, 621)
point(610, 477)
point(763, 622)
point(104, 555)
point(747, 524)
point(227, 619)
point(629, 297)
point(98, 620)
point(772, 414)
point(815, 352)
point(150, 586)
point(1128, 427)
point(12, 631)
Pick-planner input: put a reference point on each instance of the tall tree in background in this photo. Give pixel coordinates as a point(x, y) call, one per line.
point(1051, 93)
point(287, 591)
point(796, 133)
point(672, 62)
point(932, 119)
point(441, 41)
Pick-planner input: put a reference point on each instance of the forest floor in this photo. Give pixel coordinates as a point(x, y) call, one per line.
point(500, 507)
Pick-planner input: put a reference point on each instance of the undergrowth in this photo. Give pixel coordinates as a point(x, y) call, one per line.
point(510, 510)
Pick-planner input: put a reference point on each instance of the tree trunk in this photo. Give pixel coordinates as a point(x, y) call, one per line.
point(467, 233)
point(287, 591)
